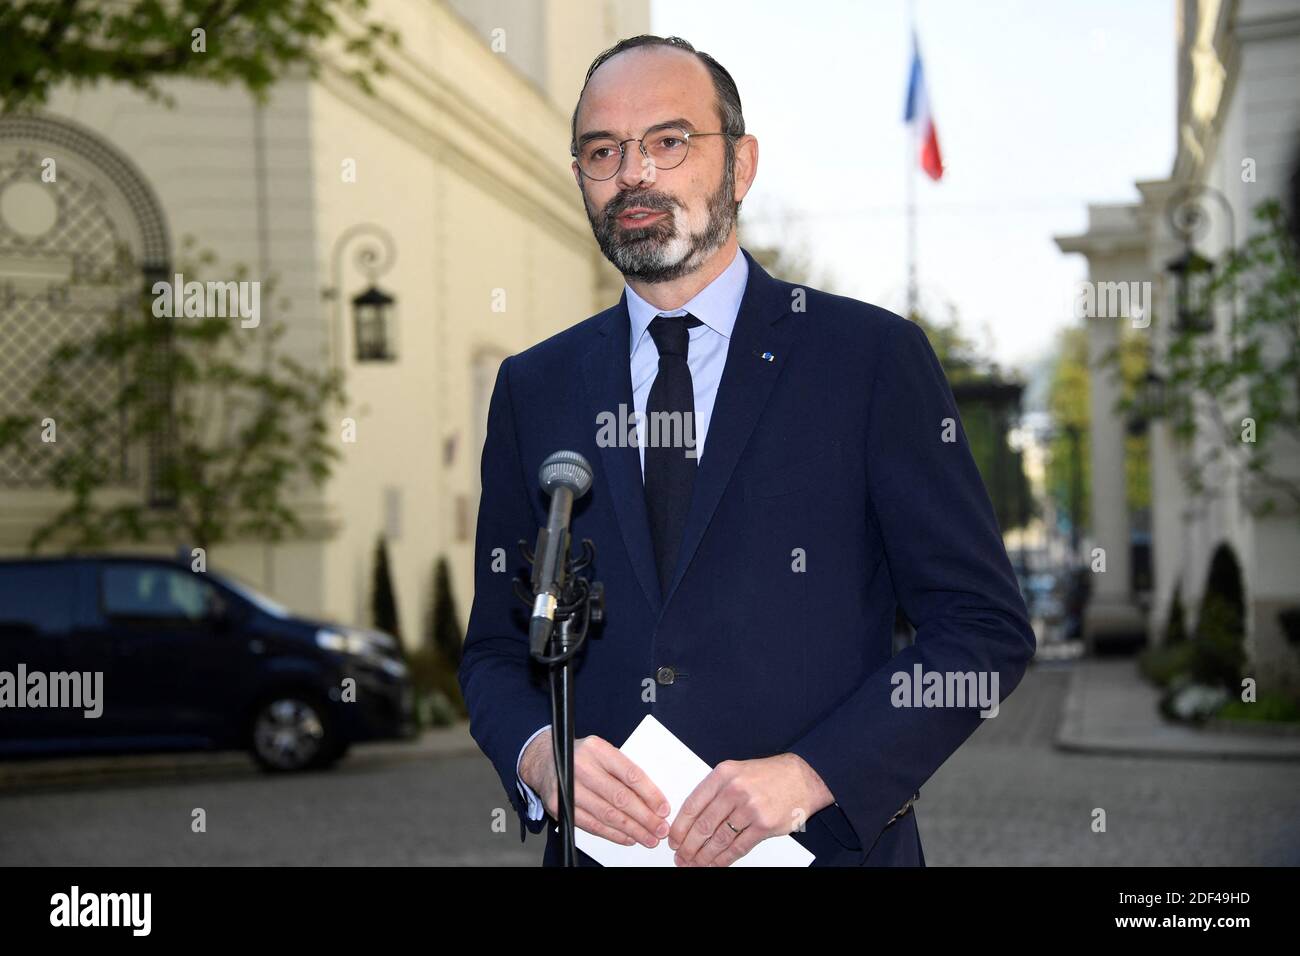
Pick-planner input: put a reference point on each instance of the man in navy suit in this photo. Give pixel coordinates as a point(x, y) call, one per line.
point(795, 469)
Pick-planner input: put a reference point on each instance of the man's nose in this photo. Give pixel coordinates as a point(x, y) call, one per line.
point(636, 167)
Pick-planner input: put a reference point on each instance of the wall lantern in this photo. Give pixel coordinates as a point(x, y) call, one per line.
point(372, 326)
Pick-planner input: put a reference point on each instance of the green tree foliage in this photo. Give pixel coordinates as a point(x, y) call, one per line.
point(1068, 464)
point(435, 663)
point(1176, 625)
point(444, 630)
point(956, 351)
point(1068, 403)
point(1214, 384)
point(1215, 652)
point(243, 429)
point(1219, 641)
point(1130, 363)
point(988, 406)
point(383, 602)
point(45, 43)
point(785, 260)
point(1134, 363)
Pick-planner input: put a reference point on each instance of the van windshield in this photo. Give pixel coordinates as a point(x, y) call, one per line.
point(260, 601)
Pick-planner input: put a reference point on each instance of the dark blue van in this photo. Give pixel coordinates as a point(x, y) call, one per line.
point(184, 660)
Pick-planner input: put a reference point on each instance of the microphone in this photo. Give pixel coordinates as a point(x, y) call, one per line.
point(566, 477)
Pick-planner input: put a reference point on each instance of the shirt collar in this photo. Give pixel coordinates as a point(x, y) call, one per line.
point(716, 305)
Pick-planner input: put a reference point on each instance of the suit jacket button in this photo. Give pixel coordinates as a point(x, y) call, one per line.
point(665, 675)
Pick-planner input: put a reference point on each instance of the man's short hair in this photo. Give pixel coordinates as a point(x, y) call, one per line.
point(727, 97)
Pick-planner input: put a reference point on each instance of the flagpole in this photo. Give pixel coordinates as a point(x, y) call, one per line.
point(913, 152)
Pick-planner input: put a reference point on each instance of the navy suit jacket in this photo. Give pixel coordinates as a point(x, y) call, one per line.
point(828, 450)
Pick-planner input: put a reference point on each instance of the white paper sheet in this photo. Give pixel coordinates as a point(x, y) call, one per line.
point(676, 771)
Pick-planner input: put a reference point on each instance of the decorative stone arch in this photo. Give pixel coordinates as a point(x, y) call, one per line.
point(72, 140)
point(76, 248)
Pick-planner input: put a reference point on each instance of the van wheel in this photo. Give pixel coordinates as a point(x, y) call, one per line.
point(293, 731)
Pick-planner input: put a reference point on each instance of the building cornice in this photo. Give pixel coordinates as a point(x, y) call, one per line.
point(1113, 229)
point(429, 107)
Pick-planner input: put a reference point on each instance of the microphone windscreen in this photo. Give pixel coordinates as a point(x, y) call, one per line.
point(566, 469)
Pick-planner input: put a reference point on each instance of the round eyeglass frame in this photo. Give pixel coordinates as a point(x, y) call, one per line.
point(640, 143)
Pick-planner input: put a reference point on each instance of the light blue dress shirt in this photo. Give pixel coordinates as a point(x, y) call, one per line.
point(716, 306)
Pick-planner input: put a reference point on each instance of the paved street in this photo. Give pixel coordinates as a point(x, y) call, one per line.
point(1007, 797)
point(433, 811)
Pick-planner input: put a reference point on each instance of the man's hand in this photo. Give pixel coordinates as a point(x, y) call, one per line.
point(612, 798)
point(767, 797)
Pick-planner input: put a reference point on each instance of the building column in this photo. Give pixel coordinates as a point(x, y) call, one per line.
point(1111, 612)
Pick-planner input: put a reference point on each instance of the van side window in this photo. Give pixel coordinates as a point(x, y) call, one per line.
point(144, 591)
point(36, 599)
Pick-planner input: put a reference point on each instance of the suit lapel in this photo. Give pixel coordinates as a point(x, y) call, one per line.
point(746, 385)
point(607, 376)
point(747, 382)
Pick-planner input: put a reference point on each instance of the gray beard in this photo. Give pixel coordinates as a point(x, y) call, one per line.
point(642, 253)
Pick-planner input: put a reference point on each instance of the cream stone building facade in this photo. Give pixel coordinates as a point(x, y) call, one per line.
point(1238, 117)
point(454, 175)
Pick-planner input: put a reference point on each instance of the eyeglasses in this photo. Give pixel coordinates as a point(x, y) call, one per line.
point(665, 146)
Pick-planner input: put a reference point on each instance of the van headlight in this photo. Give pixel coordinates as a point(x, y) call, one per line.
point(343, 642)
point(373, 647)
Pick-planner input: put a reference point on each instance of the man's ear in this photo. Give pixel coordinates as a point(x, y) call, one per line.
point(746, 164)
point(577, 173)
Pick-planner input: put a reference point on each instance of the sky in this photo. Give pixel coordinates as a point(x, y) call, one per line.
point(1041, 108)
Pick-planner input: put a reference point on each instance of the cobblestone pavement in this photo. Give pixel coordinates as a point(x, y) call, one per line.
point(1006, 797)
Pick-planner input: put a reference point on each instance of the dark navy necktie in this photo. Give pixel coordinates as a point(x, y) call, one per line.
point(669, 472)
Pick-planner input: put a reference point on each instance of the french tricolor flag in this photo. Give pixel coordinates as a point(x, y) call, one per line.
point(918, 111)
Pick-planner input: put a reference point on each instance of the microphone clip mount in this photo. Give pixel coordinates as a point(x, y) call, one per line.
point(579, 604)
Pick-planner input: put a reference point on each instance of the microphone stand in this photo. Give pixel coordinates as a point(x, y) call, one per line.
point(579, 605)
